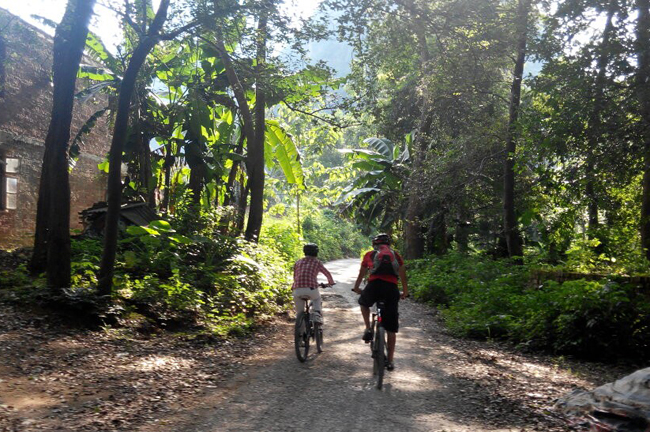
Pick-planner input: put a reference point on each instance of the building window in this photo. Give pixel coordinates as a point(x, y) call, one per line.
point(9, 177)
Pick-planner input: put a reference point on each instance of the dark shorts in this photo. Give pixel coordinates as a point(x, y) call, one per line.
point(379, 290)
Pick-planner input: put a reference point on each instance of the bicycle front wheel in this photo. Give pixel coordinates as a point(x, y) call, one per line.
point(318, 330)
point(379, 354)
point(301, 336)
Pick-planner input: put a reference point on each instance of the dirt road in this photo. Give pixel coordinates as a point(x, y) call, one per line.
point(439, 383)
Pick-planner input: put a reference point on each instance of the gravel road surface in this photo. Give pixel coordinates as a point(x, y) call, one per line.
point(334, 391)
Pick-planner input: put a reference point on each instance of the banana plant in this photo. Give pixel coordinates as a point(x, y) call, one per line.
point(381, 169)
point(279, 148)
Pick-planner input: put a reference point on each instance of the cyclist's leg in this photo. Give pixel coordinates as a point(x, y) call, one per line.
point(390, 316)
point(365, 313)
point(392, 337)
point(366, 300)
point(298, 302)
point(317, 303)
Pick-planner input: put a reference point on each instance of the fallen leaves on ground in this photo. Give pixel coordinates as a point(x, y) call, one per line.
point(54, 378)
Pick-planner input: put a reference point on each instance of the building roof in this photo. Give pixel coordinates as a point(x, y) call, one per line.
point(138, 213)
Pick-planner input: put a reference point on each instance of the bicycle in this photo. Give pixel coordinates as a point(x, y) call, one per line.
point(379, 344)
point(307, 329)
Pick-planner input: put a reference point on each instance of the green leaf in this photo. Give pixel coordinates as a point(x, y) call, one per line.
point(136, 230)
point(381, 145)
point(236, 157)
point(367, 165)
point(161, 225)
point(180, 239)
point(285, 152)
point(93, 90)
point(96, 74)
point(97, 50)
point(130, 259)
point(355, 193)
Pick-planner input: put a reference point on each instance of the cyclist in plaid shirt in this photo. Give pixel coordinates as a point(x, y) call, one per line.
point(305, 283)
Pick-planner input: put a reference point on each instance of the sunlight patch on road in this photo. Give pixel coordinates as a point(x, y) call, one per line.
point(30, 401)
point(411, 381)
point(446, 425)
point(158, 363)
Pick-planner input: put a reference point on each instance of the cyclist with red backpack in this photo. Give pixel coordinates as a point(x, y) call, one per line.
point(385, 267)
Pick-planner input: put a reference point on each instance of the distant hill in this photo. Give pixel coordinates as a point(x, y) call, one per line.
point(335, 54)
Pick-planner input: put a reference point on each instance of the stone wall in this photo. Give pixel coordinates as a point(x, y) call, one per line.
point(25, 107)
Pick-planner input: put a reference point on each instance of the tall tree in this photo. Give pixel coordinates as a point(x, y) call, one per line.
point(52, 240)
point(148, 40)
point(595, 127)
point(643, 95)
point(413, 231)
point(511, 231)
point(255, 160)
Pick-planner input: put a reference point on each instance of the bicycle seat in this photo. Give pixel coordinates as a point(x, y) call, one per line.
point(304, 297)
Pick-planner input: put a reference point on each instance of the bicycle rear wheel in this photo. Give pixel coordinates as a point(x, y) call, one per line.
point(318, 331)
point(379, 354)
point(301, 336)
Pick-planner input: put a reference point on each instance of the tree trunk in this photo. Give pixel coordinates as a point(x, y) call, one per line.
point(52, 241)
point(437, 241)
point(413, 229)
point(299, 225)
point(120, 129)
point(643, 94)
point(595, 128)
point(167, 167)
point(246, 117)
point(144, 164)
point(197, 177)
point(461, 232)
point(255, 159)
point(233, 172)
point(241, 208)
point(511, 232)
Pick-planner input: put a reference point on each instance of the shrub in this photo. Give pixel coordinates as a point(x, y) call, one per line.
point(336, 237)
point(282, 235)
point(484, 298)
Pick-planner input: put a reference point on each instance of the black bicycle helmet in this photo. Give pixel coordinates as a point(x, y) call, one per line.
point(310, 249)
point(381, 239)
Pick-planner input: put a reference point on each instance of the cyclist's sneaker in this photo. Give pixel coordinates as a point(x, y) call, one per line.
point(367, 336)
point(390, 366)
point(317, 317)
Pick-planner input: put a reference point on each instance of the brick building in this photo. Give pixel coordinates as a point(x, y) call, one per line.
point(25, 107)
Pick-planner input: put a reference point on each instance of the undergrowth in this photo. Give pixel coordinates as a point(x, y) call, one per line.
point(480, 297)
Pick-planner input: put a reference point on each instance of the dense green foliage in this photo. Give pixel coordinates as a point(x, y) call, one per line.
point(186, 274)
point(486, 298)
point(434, 77)
point(217, 283)
point(412, 142)
point(336, 237)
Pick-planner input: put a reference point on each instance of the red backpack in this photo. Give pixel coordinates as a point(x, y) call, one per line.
point(384, 261)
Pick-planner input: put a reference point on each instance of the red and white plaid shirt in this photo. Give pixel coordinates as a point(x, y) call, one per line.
point(305, 273)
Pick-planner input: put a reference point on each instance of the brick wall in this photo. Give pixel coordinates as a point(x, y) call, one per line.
point(25, 106)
